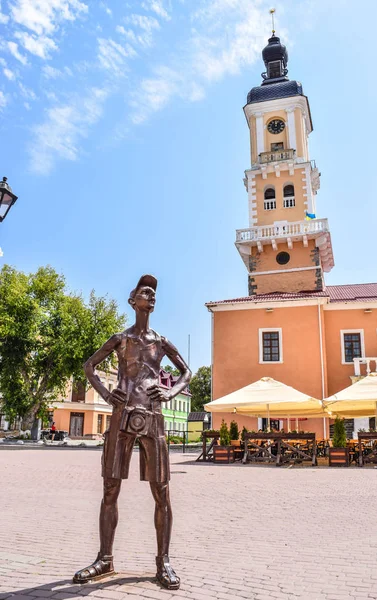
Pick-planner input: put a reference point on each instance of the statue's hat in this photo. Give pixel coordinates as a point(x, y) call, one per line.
point(148, 280)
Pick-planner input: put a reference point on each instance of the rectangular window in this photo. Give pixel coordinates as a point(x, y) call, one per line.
point(289, 202)
point(271, 352)
point(352, 346)
point(99, 423)
point(78, 391)
point(108, 419)
point(270, 346)
point(276, 146)
point(269, 204)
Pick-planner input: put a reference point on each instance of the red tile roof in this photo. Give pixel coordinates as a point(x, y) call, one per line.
point(356, 292)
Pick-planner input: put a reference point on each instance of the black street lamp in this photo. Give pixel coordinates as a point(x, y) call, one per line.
point(7, 199)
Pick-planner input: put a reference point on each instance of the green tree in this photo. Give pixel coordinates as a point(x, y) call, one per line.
point(170, 369)
point(46, 334)
point(339, 439)
point(200, 389)
point(234, 431)
point(224, 434)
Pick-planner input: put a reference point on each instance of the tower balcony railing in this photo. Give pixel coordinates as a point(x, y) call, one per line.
point(365, 360)
point(288, 230)
point(276, 155)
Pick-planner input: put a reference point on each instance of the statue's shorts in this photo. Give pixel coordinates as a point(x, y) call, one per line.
point(153, 451)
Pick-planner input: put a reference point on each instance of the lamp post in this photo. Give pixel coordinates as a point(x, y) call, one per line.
point(7, 199)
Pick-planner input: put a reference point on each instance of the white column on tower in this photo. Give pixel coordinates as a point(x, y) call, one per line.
point(260, 132)
point(291, 128)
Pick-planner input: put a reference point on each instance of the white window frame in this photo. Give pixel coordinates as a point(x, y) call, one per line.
point(270, 204)
point(289, 202)
point(342, 350)
point(270, 330)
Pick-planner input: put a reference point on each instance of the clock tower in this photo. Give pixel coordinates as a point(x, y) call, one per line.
point(286, 248)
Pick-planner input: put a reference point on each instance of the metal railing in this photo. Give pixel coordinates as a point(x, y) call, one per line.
point(276, 155)
point(264, 232)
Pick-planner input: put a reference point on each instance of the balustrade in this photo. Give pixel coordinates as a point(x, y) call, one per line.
point(276, 155)
point(365, 360)
point(295, 228)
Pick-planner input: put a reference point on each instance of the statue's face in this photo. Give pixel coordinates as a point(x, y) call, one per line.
point(145, 299)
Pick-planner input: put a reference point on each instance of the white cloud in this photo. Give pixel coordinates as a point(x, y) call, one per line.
point(112, 56)
point(228, 36)
point(65, 125)
point(43, 16)
point(53, 73)
point(13, 49)
point(38, 45)
point(9, 74)
point(27, 92)
point(147, 25)
point(157, 7)
point(107, 10)
point(155, 93)
point(3, 18)
point(3, 100)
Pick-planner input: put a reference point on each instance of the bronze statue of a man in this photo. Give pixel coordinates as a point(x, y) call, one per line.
point(136, 415)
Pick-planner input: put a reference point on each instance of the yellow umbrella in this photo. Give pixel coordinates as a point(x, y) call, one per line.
point(268, 398)
point(357, 400)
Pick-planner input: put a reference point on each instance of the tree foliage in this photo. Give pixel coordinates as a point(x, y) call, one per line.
point(224, 434)
point(46, 334)
point(200, 389)
point(171, 370)
point(234, 431)
point(339, 439)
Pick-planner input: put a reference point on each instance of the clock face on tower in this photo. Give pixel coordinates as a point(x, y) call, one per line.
point(276, 126)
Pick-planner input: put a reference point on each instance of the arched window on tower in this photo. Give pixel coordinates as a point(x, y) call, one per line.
point(269, 199)
point(289, 196)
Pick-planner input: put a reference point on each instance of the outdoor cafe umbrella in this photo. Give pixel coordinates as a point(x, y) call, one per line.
point(357, 400)
point(268, 398)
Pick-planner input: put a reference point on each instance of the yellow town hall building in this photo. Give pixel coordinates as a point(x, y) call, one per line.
point(291, 326)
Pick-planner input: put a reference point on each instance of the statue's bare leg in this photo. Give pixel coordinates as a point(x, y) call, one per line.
point(163, 520)
point(108, 520)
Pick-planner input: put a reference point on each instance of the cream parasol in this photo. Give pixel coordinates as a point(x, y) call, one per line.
point(357, 400)
point(268, 398)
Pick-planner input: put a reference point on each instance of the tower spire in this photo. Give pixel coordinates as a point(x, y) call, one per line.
point(272, 12)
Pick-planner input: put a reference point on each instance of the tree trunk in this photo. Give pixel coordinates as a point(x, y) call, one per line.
point(36, 430)
point(30, 421)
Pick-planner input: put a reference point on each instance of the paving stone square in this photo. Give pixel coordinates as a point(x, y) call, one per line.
point(250, 532)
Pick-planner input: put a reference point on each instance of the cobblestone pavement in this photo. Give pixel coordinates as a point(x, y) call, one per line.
point(252, 532)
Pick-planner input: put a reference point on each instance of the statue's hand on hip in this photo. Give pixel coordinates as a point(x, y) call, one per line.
point(158, 394)
point(116, 398)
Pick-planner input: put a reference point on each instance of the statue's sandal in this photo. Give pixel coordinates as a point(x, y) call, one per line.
point(102, 567)
point(166, 575)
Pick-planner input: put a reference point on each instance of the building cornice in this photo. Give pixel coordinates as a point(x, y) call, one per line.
point(290, 103)
point(250, 305)
point(352, 305)
point(83, 406)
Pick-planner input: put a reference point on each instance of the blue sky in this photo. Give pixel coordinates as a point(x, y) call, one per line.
point(123, 135)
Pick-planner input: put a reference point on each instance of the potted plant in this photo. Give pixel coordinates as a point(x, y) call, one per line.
point(234, 434)
point(339, 453)
point(224, 453)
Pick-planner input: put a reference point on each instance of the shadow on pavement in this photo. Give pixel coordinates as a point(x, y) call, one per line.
point(70, 588)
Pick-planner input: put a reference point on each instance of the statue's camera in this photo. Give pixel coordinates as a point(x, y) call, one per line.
point(136, 420)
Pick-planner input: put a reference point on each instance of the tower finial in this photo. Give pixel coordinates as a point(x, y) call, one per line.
point(272, 11)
